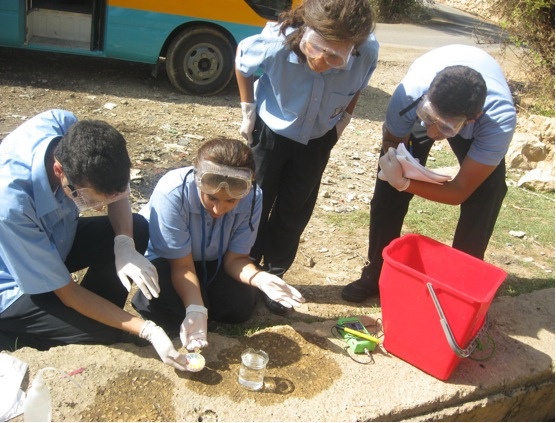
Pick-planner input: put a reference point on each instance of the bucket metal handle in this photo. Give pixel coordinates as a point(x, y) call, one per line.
point(461, 352)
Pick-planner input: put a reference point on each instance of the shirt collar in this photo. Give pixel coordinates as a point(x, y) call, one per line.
point(45, 202)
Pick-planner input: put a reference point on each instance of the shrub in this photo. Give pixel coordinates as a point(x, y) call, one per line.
point(530, 26)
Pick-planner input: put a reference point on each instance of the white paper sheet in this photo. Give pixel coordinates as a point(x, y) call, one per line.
point(412, 169)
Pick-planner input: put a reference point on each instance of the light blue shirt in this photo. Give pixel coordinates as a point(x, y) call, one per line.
point(293, 100)
point(176, 218)
point(37, 225)
point(491, 132)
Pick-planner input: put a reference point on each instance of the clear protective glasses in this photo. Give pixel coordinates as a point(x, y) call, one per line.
point(335, 53)
point(212, 177)
point(449, 126)
point(88, 198)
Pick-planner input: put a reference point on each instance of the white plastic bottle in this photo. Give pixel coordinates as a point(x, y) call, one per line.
point(37, 406)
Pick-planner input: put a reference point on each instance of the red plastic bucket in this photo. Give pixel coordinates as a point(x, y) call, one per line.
point(434, 302)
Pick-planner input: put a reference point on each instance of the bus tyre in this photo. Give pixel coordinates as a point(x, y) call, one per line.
point(200, 61)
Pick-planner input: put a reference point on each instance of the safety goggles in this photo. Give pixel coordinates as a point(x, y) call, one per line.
point(211, 178)
point(449, 126)
point(336, 54)
point(88, 198)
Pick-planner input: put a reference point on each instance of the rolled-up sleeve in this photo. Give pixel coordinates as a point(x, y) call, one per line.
point(251, 53)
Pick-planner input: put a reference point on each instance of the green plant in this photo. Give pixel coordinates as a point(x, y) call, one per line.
point(530, 27)
point(349, 222)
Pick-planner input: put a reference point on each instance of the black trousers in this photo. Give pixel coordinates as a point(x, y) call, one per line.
point(42, 321)
point(476, 222)
point(289, 174)
point(227, 300)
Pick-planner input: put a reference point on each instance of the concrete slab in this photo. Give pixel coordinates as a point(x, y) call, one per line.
point(311, 378)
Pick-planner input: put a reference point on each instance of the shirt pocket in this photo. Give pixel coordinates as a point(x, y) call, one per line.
point(335, 104)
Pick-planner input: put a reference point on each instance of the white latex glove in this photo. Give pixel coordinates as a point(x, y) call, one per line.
point(391, 170)
point(131, 264)
point(278, 290)
point(163, 346)
point(193, 330)
point(249, 112)
point(342, 123)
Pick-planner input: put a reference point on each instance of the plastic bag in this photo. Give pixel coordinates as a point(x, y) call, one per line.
point(12, 372)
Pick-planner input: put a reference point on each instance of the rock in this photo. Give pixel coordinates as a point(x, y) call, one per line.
point(540, 179)
point(535, 151)
point(532, 151)
point(524, 149)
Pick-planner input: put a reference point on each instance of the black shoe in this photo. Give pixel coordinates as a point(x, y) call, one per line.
point(358, 291)
point(274, 306)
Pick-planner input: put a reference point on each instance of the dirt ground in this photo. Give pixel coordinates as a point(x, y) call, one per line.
point(163, 129)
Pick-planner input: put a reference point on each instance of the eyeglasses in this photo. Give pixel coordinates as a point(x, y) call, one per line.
point(314, 45)
point(449, 126)
point(87, 198)
point(211, 178)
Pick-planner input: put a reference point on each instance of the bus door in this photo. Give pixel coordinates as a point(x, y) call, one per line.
point(65, 24)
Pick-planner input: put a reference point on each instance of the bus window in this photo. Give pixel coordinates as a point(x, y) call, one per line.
point(269, 9)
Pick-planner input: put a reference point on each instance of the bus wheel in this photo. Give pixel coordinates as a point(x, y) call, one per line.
point(200, 61)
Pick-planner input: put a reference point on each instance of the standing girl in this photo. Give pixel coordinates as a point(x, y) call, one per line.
point(315, 61)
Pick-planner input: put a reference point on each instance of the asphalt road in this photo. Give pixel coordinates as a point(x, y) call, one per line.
point(447, 26)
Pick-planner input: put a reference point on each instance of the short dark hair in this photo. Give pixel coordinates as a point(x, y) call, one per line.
point(94, 154)
point(458, 90)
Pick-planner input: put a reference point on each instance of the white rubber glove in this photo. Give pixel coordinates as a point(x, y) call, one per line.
point(342, 123)
point(193, 330)
point(131, 264)
point(249, 112)
point(391, 170)
point(278, 290)
point(163, 346)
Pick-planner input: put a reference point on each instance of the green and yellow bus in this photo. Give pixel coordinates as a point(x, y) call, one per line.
point(195, 39)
